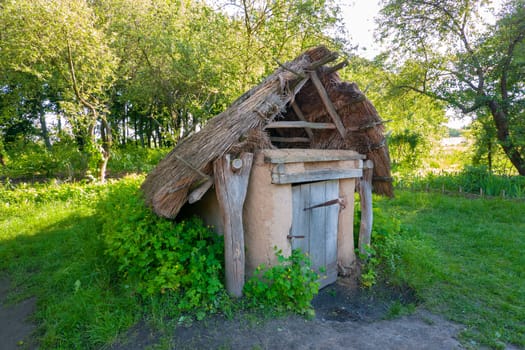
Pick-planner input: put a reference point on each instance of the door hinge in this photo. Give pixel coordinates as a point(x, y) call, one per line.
point(291, 236)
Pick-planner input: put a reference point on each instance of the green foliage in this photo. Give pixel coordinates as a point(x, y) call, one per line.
point(157, 256)
point(134, 159)
point(288, 286)
point(34, 160)
point(472, 179)
point(382, 256)
point(415, 121)
point(450, 54)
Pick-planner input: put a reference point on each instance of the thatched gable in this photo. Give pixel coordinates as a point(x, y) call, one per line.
point(249, 124)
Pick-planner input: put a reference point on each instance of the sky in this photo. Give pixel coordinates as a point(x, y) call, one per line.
point(359, 21)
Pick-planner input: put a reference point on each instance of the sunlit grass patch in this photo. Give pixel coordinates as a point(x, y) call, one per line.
point(465, 259)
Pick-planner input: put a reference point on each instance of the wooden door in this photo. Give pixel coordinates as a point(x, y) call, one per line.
point(314, 229)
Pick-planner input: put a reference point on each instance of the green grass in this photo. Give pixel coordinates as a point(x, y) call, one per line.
point(464, 258)
point(51, 249)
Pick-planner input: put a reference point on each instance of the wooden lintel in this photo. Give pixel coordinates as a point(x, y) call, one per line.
point(289, 139)
point(231, 187)
point(299, 124)
point(279, 177)
point(328, 104)
point(301, 117)
point(284, 156)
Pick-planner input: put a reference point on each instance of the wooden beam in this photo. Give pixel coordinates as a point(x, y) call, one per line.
point(331, 57)
point(299, 124)
point(280, 176)
point(301, 117)
point(336, 67)
point(283, 155)
point(328, 104)
point(367, 215)
point(289, 139)
point(200, 191)
point(231, 186)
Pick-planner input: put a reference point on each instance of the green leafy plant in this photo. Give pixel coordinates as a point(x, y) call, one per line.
point(288, 286)
point(156, 256)
point(381, 258)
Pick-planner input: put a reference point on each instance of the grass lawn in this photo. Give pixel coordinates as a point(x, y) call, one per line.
point(50, 248)
point(465, 259)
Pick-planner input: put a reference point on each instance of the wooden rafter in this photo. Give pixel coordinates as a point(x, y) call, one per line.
point(328, 104)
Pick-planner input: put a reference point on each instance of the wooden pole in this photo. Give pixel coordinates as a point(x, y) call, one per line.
point(231, 184)
point(367, 215)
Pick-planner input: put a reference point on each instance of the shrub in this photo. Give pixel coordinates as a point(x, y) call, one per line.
point(34, 160)
point(131, 158)
point(156, 256)
point(288, 286)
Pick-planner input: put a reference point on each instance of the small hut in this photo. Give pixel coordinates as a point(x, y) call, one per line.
point(301, 126)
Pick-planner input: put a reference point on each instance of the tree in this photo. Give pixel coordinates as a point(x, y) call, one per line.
point(415, 120)
point(455, 57)
point(57, 43)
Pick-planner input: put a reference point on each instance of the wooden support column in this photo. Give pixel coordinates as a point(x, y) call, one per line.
point(231, 184)
point(367, 215)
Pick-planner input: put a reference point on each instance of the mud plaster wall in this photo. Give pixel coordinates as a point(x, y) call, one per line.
point(345, 234)
point(207, 209)
point(267, 216)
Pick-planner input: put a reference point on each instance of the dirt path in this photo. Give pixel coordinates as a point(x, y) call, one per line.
point(15, 328)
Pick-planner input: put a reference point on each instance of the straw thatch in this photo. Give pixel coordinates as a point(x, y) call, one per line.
point(363, 125)
point(242, 128)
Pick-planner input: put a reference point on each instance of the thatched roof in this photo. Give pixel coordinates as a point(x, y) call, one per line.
point(242, 127)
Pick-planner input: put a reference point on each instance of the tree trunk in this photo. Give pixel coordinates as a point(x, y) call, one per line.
point(105, 134)
point(43, 128)
point(503, 135)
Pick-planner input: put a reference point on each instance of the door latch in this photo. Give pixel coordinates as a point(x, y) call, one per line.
point(339, 201)
point(291, 236)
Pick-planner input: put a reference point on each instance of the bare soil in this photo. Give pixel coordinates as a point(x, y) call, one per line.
point(347, 317)
point(15, 326)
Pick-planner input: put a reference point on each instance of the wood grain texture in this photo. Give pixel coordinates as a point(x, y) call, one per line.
point(231, 187)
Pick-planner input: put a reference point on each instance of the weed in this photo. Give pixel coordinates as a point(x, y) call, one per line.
point(288, 286)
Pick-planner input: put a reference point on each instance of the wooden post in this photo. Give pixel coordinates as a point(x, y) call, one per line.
point(231, 184)
point(367, 215)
